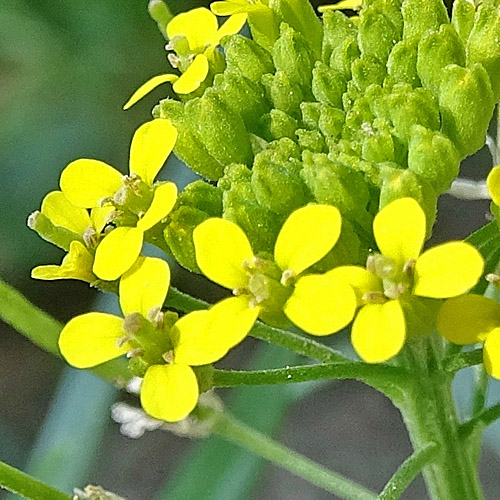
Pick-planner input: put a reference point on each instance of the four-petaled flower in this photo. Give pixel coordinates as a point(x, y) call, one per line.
point(225, 256)
point(86, 183)
point(398, 275)
point(199, 27)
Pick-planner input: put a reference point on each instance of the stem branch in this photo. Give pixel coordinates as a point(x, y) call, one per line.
point(457, 362)
point(479, 422)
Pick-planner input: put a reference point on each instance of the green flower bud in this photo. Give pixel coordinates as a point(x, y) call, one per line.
point(247, 57)
point(234, 174)
point(334, 183)
point(292, 56)
point(188, 147)
point(179, 235)
point(437, 50)
point(402, 62)
point(58, 236)
point(338, 29)
point(160, 13)
point(462, 17)
point(484, 44)
point(377, 34)
point(311, 140)
point(466, 101)
point(220, 130)
point(422, 15)
point(203, 196)
point(433, 157)
point(392, 10)
point(331, 121)
point(328, 85)
point(242, 96)
point(378, 147)
point(277, 124)
point(300, 15)
point(284, 94)
point(342, 58)
point(397, 183)
point(311, 112)
point(368, 70)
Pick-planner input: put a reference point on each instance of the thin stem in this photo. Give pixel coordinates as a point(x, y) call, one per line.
point(289, 340)
point(481, 380)
point(382, 377)
point(18, 482)
point(479, 422)
point(463, 360)
point(237, 432)
point(43, 330)
point(407, 472)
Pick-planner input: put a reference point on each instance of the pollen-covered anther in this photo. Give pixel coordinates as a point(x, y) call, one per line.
point(287, 277)
point(132, 323)
point(493, 278)
point(135, 353)
point(374, 298)
point(237, 292)
point(156, 316)
point(90, 237)
point(173, 59)
point(123, 340)
point(409, 267)
point(168, 357)
point(395, 290)
point(380, 265)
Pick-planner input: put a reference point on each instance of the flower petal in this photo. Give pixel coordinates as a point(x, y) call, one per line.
point(169, 392)
point(57, 208)
point(149, 86)
point(447, 270)
point(379, 331)
point(228, 8)
point(144, 286)
point(232, 26)
point(151, 145)
point(468, 319)
point(77, 264)
point(321, 305)
point(359, 278)
point(342, 5)
point(491, 353)
point(221, 249)
point(117, 252)
point(193, 77)
point(493, 183)
point(164, 199)
point(199, 26)
point(399, 230)
point(99, 217)
point(307, 236)
point(91, 339)
point(86, 182)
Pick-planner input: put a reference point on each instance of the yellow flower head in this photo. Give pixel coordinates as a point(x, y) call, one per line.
point(195, 36)
point(400, 272)
point(86, 183)
point(493, 183)
point(342, 5)
point(225, 255)
point(470, 319)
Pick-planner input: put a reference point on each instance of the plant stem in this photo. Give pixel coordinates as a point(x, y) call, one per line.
point(430, 416)
point(479, 422)
point(462, 360)
point(237, 432)
point(20, 483)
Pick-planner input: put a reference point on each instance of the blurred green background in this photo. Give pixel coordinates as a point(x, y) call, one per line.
point(66, 68)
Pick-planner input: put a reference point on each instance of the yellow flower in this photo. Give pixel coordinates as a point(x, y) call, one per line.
point(170, 388)
point(470, 319)
point(493, 183)
point(86, 183)
point(225, 255)
point(200, 29)
point(399, 273)
point(342, 5)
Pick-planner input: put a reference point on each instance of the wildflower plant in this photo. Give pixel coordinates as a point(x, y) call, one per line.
point(322, 145)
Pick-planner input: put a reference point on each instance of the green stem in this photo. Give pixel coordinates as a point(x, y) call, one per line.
point(430, 416)
point(18, 482)
point(391, 380)
point(237, 432)
point(457, 362)
point(44, 331)
point(289, 340)
point(407, 472)
point(479, 422)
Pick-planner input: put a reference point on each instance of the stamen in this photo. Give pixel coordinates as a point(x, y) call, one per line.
point(287, 277)
point(374, 298)
point(409, 267)
point(135, 353)
point(493, 278)
point(168, 357)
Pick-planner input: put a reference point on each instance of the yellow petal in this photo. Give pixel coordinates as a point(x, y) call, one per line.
point(86, 182)
point(144, 286)
point(342, 5)
point(491, 353)
point(99, 217)
point(230, 7)
point(399, 230)
point(468, 319)
point(164, 199)
point(169, 392)
point(359, 278)
point(151, 145)
point(91, 339)
point(379, 331)
point(193, 77)
point(199, 26)
point(321, 305)
point(77, 264)
point(147, 87)
point(57, 208)
point(448, 270)
point(231, 26)
point(117, 252)
point(221, 249)
point(493, 183)
point(307, 236)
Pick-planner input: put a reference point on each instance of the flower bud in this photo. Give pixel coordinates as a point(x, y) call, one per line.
point(331, 121)
point(203, 196)
point(284, 94)
point(378, 147)
point(462, 17)
point(328, 85)
point(277, 125)
point(367, 70)
point(311, 140)
point(422, 15)
point(58, 236)
point(338, 30)
point(402, 62)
